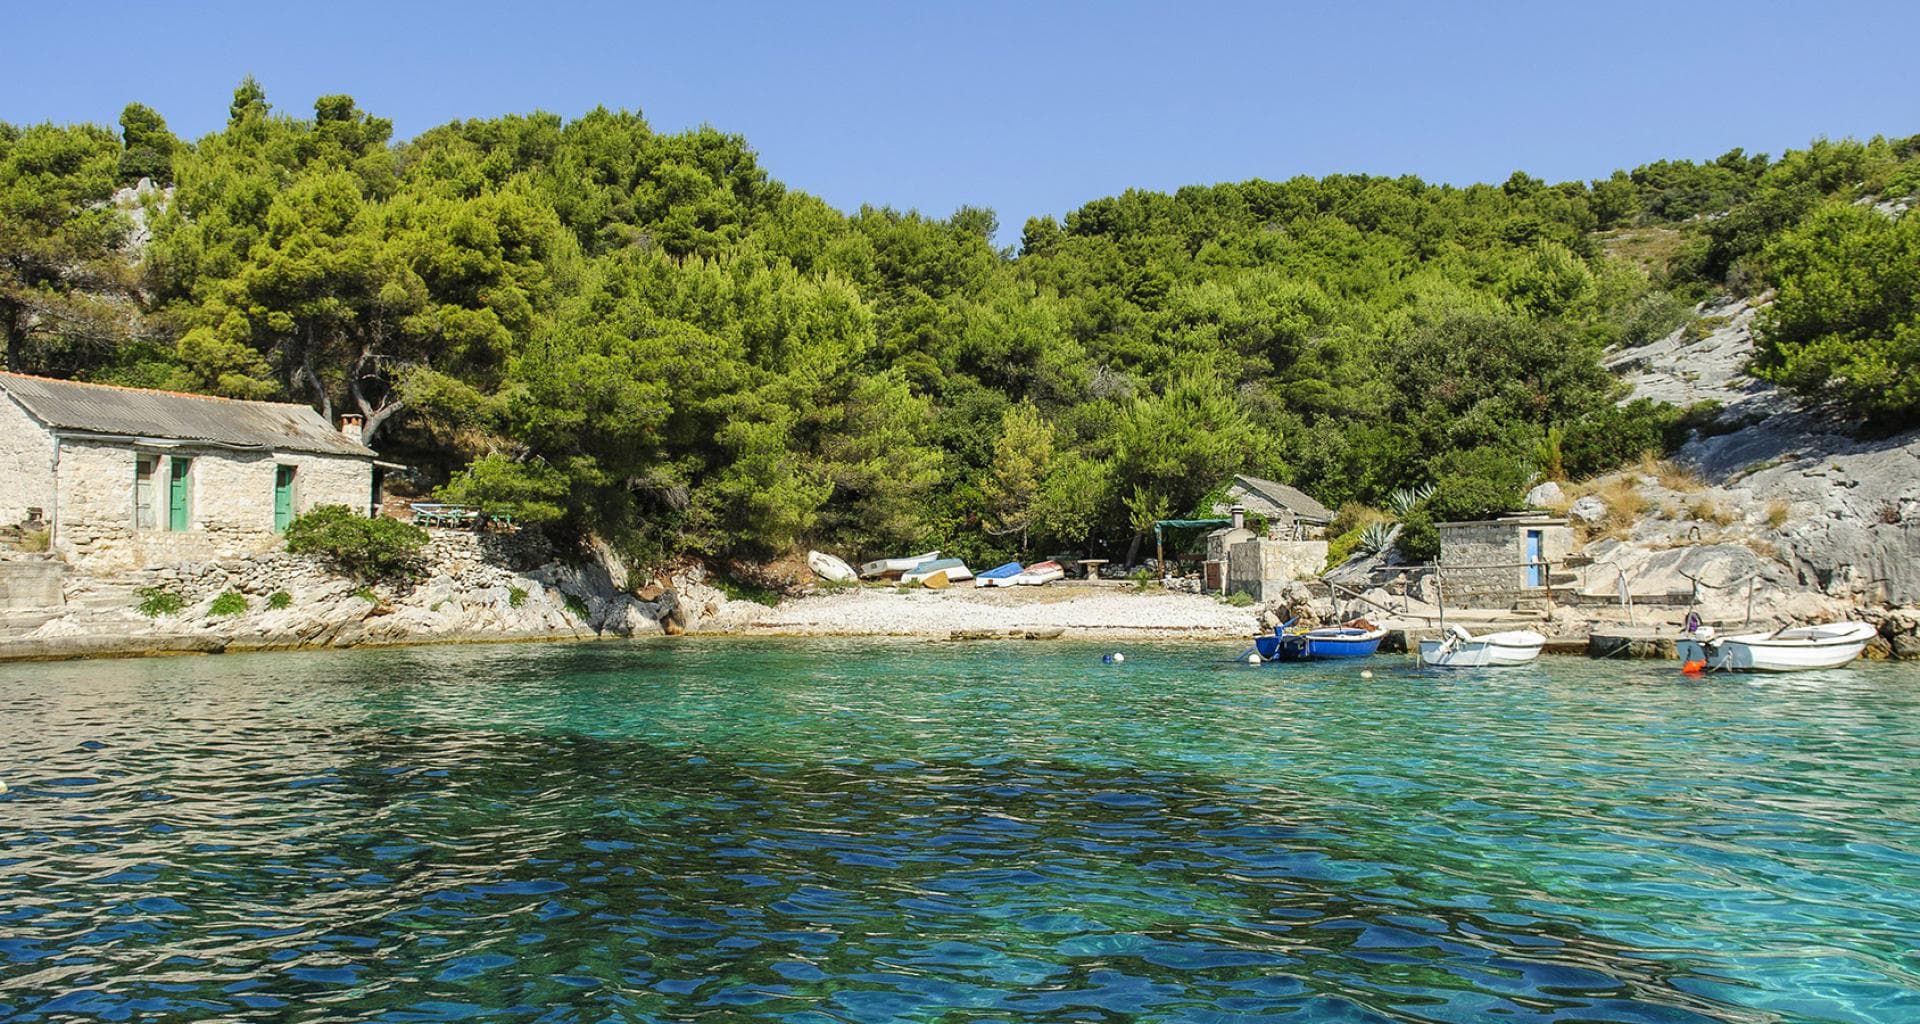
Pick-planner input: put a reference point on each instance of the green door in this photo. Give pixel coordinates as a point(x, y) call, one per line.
point(177, 495)
point(282, 498)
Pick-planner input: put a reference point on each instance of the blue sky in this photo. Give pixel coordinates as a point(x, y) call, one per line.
point(1029, 108)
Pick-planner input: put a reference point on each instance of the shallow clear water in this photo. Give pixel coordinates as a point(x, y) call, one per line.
point(824, 831)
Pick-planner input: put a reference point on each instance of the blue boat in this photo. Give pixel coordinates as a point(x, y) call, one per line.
point(998, 576)
point(1315, 644)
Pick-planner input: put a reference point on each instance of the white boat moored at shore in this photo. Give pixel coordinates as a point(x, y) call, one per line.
point(1799, 649)
point(1461, 649)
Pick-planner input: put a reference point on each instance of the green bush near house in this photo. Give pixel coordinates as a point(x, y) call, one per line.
point(1240, 599)
point(279, 599)
point(231, 602)
point(158, 601)
point(366, 549)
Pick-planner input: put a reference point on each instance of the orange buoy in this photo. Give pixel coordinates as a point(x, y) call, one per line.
point(1695, 667)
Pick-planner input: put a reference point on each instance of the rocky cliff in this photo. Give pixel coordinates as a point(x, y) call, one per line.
point(474, 588)
point(1827, 512)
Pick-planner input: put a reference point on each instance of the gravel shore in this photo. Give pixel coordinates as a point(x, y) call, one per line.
point(1079, 610)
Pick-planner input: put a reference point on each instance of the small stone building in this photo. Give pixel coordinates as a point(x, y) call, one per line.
point(1290, 513)
point(1502, 558)
point(127, 477)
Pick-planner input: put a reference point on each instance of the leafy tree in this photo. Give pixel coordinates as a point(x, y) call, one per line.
point(1845, 324)
point(148, 145)
point(1022, 461)
point(60, 272)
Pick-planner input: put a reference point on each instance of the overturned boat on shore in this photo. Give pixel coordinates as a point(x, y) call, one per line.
point(999, 575)
point(1038, 573)
point(952, 570)
point(883, 567)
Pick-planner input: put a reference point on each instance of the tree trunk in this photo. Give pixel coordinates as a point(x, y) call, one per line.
point(16, 337)
point(1133, 551)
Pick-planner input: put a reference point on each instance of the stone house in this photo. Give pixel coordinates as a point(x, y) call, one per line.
point(127, 477)
point(1290, 513)
point(1509, 557)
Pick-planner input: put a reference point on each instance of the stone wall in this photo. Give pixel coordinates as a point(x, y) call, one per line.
point(26, 464)
point(31, 583)
point(1485, 558)
point(230, 502)
point(1262, 568)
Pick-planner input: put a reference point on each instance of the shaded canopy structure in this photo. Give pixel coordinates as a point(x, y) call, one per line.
point(1162, 525)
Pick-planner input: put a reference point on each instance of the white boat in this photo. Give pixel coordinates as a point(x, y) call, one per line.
point(895, 566)
point(1461, 649)
point(955, 569)
point(1036, 574)
point(1799, 649)
point(828, 567)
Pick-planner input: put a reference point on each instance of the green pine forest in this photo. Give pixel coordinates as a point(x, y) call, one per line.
point(606, 329)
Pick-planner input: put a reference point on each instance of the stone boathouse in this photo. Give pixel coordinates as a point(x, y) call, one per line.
point(127, 478)
point(1503, 560)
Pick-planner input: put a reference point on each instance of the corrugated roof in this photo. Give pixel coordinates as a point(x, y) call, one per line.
point(136, 412)
point(1287, 497)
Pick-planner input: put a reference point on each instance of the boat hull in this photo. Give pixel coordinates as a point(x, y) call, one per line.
point(1494, 650)
point(1320, 645)
point(1807, 649)
point(998, 576)
point(955, 570)
point(830, 568)
point(895, 566)
point(1037, 574)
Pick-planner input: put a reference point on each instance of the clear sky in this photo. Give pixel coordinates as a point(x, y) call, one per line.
point(1028, 108)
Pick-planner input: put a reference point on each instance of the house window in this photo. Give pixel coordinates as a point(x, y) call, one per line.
point(179, 482)
point(144, 466)
point(282, 497)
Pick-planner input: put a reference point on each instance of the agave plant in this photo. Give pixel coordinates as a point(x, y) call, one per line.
point(1403, 499)
point(1377, 537)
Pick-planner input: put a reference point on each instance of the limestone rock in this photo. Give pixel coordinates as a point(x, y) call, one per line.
point(1546, 495)
point(1590, 509)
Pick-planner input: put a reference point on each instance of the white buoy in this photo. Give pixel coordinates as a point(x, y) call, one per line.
point(1366, 673)
point(1118, 657)
point(3, 787)
point(1253, 659)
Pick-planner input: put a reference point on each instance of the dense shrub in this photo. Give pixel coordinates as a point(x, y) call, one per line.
point(1619, 434)
point(366, 549)
point(1845, 325)
point(157, 601)
point(230, 602)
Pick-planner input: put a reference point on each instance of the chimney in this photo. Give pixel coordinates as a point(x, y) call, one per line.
point(350, 425)
point(1239, 517)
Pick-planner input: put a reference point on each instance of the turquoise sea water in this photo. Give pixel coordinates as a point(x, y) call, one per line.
point(874, 832)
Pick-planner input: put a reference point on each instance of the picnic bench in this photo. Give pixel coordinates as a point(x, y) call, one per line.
point(456, 517)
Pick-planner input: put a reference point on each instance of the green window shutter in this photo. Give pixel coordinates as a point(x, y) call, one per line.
point(177, 495)
point(282, 498)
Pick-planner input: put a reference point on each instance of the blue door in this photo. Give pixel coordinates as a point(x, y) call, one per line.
point(1536, 572)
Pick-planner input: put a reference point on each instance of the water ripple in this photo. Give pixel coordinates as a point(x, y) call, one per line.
point(722, 830)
